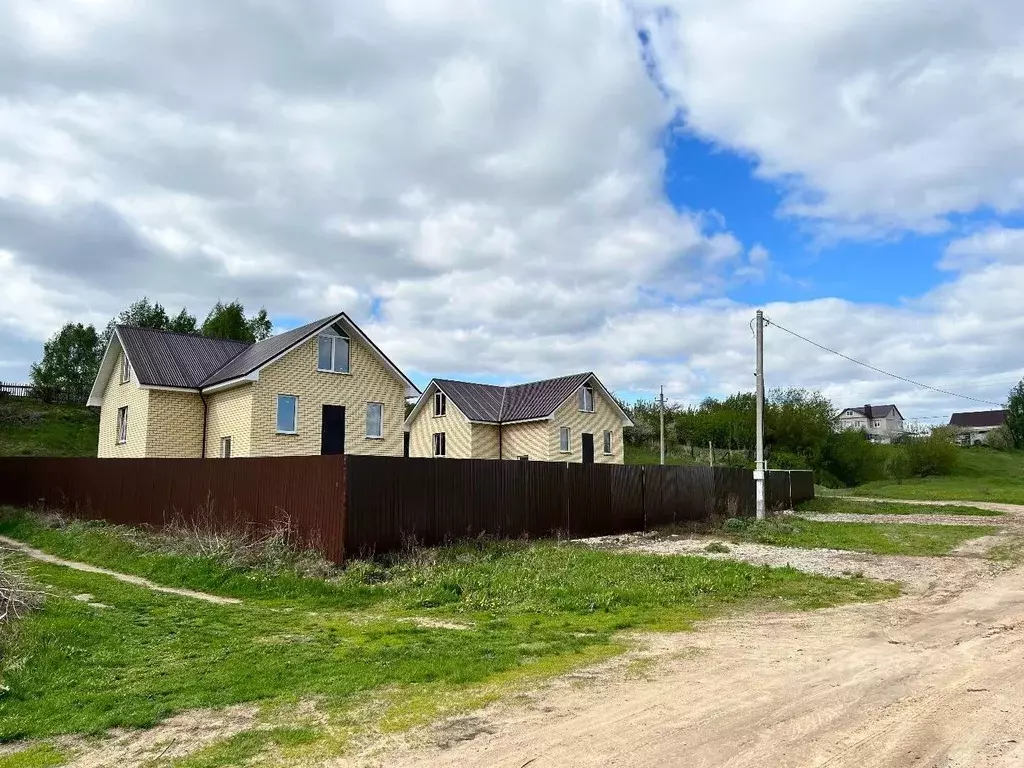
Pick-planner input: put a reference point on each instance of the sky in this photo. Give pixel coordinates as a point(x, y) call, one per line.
point(504, 191)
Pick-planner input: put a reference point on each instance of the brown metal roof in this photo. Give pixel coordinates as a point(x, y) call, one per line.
point(978, 419)
point(520, 402)
point(165, 359)
point(262, 352)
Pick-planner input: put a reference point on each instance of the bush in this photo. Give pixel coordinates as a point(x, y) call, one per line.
point(936, 454)
point(849, 458)
point(897, 464)
point(1000, 439)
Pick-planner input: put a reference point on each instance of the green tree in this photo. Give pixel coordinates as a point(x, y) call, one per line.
point(71, 358)
point(142, 313)
point(228, 321)
point(1015, 414)
point(183, 322)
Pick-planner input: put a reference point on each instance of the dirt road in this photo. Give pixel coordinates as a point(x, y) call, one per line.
point(932, 680)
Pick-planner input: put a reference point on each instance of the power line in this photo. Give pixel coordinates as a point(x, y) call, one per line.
point(879, 370)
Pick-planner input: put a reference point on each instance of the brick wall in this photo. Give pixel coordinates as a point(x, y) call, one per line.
point(115, 396)
point(175, 429)
point(457, 429)
point(296, 374)
point(605, 417)
point(229, 414)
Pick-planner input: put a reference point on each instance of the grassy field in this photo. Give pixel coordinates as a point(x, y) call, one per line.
point(31, 428)
point(402, 640)
point(874, 538)
point(981, 475)
point(826, 504)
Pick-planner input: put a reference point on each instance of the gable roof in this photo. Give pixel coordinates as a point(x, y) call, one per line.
point(162, 358)
point(873, 411)
point(257, 355)
point(978, 419)
point(191, 362)
point(532, 401)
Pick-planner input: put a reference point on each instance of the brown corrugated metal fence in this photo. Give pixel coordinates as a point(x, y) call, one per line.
point(303, 495)
point(362, 504)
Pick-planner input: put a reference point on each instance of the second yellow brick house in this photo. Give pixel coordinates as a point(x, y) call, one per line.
point(322, 388)
point(569, 418)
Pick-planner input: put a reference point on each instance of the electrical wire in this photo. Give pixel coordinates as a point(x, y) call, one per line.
point(879, 370)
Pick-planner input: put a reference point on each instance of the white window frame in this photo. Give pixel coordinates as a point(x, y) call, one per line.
point(584, 391)
point(333, 337)
point(380, 423)
point(440, 404)
point(122, 425)
point(277, 416)
point(564, 432)
point(440, 445)
point(126, 370)
point(225, 447)
point(607, 442)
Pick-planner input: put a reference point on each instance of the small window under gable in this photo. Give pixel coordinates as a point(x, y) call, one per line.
point(126, 370)
point(333, 352)
point(587, 398)
point(440, 403)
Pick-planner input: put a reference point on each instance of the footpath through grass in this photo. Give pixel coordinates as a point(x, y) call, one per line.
point(398, 638)
point(852, 506)
point(982, 474)
point(873, 538)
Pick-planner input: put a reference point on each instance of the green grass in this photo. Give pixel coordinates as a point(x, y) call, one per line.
point(32, 428)
point(826, 504)
point(874, 538)
point(34, 756)
point(982, 474)
point(241, 748)
point(531, 609)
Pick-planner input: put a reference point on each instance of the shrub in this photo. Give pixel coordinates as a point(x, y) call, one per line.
point(1000, 439)
point(936, 454)
point(897, 464)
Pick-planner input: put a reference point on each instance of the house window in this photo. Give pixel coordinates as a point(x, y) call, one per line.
point(607, 442)
point(225, 447)
point(439, 444)
point(587, 398)
point(878, 423)
point(524, 458)
point(287, 414)
point(375, 419)
point(563, 439)
point(332, 354)
point(126, 370)
point(440, 403)
point(122, 425)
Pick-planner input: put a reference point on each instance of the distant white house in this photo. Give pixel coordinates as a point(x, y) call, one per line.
point(883, 423)
point(976, 426)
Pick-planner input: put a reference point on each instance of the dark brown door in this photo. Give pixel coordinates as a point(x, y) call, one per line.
point(332, 430)
point(588, 448)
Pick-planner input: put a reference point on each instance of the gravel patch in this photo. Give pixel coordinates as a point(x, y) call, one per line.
point(849, 517)
point(919, 575)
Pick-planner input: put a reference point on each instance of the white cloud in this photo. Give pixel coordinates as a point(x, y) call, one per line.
point(877, 117)
point(994, 244)
point(482, 183)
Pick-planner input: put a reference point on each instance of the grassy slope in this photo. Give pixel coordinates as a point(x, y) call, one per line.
point(533, 609)
point(825, 504)
point(31, 428)
point(982, 475)
point(875, 538)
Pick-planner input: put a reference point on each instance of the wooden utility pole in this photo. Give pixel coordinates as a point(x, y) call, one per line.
point(661, 408)
point(759, 460)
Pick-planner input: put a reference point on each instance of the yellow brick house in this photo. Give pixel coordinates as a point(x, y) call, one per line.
point(322, 388)
point(570, 418)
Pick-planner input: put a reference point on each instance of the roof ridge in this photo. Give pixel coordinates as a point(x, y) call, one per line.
point(179, 333)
